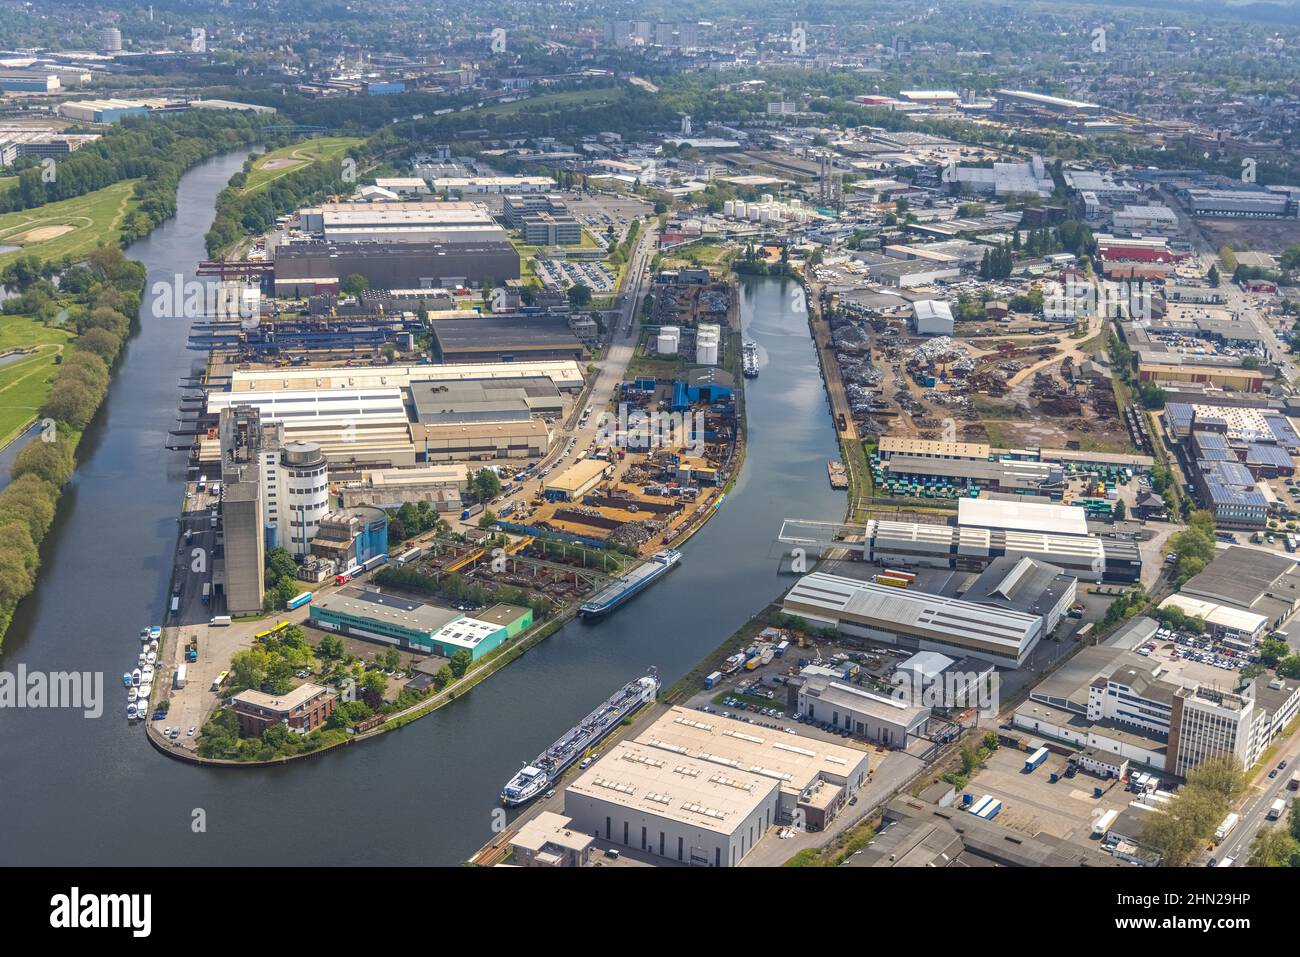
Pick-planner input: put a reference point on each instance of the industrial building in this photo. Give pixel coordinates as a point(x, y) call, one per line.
point(914, 620)
point(415, 626)
point(350, 536)
point(504, 340)
point(1038, 478)
point(1027, 586)
point(1234, 379)
point(884, 720)
point(565, 375)
point(466, 185)
point(1118, 703)
point(932, 317)
point(703, 790)
point(1029, 517)
point(306, 268)
point(577, 480)
point(405, 222)
point(912, 544)
point(1244, 590)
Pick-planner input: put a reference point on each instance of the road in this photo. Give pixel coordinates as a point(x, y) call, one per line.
point(610, 371)
point(1254, 809)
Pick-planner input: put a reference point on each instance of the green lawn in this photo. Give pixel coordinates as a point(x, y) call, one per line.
point(92, 219)
point(25, 383)
point(281, 162)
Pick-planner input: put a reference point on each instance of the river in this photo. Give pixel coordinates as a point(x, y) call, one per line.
point(76, 790)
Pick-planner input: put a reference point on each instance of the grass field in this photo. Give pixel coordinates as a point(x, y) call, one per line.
point(267, 169)
point(72, 226)
point(24, 383)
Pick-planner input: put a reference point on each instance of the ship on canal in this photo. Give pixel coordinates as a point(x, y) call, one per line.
point(613, 595)
point(535, 778)
point(749, 358)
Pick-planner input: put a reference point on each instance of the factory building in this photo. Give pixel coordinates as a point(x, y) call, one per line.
point(577, 480)
point(401, 222)
point(415, 626)
point(873, 717)
point(348, 537)
point(1237, 380)
point(1021, 517)
point(703, 790)
point(1025, 585)
point(565, 375)
point(915, 621)
point(1262, 585)
point(480, 440)
point(504, 340)
point(932, 317)
point(1001, 476)
point(310, 267)
point(466, 185)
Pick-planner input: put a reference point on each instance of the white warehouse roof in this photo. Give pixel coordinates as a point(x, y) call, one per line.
point(1022, 516)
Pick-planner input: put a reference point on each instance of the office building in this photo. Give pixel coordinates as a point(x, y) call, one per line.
point(304, 709)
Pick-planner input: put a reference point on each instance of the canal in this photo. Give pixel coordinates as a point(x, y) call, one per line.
point(76, 790)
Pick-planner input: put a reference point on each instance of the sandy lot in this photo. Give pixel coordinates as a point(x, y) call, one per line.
point(42, 233)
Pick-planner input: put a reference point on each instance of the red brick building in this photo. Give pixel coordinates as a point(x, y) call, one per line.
point(305, 709)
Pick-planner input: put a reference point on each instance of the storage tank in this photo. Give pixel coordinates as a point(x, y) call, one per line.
point(729, 209)
point(740, 209)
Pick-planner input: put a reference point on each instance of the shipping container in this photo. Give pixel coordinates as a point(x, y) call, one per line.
point(1035, 759)
point(409, 556)
point(980, 805)
point(1103, 823)
point(297, 601)
point(990, 810)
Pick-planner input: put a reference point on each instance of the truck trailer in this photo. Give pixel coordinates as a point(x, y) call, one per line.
point(1035, 760)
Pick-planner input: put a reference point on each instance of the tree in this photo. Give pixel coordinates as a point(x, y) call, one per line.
point(354, 284)
point(579, 296)
point(487, 519)
point(487, 484)
point(392, 659)
point(1271, 651)
point(1120, 512)
point(460, 662)
point(1274, 847)
point(51, 461)
point(372, 685)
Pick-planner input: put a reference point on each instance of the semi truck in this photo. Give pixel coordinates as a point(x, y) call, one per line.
point(471, 511)
point(207, 593)
point(1035, 760)
point(712, 679)
point(1103, 824)
point(1226, 827)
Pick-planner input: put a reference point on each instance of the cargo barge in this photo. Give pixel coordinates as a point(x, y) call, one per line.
point(535, 778)
point(749, 358)
point(610, 597)
point(839, 478)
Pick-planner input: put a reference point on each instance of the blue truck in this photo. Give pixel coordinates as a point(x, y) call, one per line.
point(1035, 759)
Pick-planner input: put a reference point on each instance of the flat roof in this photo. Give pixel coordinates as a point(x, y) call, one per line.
point(998, 631)
point(711, 772)
point(564, 373)
point(578, 474)
point(933, 449)
point(1215, 614)
point(280, 702)
point(388, 608)
point(1023, 517)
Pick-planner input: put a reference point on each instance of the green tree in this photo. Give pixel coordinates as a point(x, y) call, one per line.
point(460, 662)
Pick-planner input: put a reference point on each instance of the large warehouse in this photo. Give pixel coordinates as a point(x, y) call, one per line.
point(702, 789)
point(1021, 517)
point(504, 340)
point(307, 268)
point(424, 222)
point(914, 620)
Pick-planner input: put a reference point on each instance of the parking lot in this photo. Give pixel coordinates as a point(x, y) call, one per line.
point(1033, 803)
point(561, 274)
